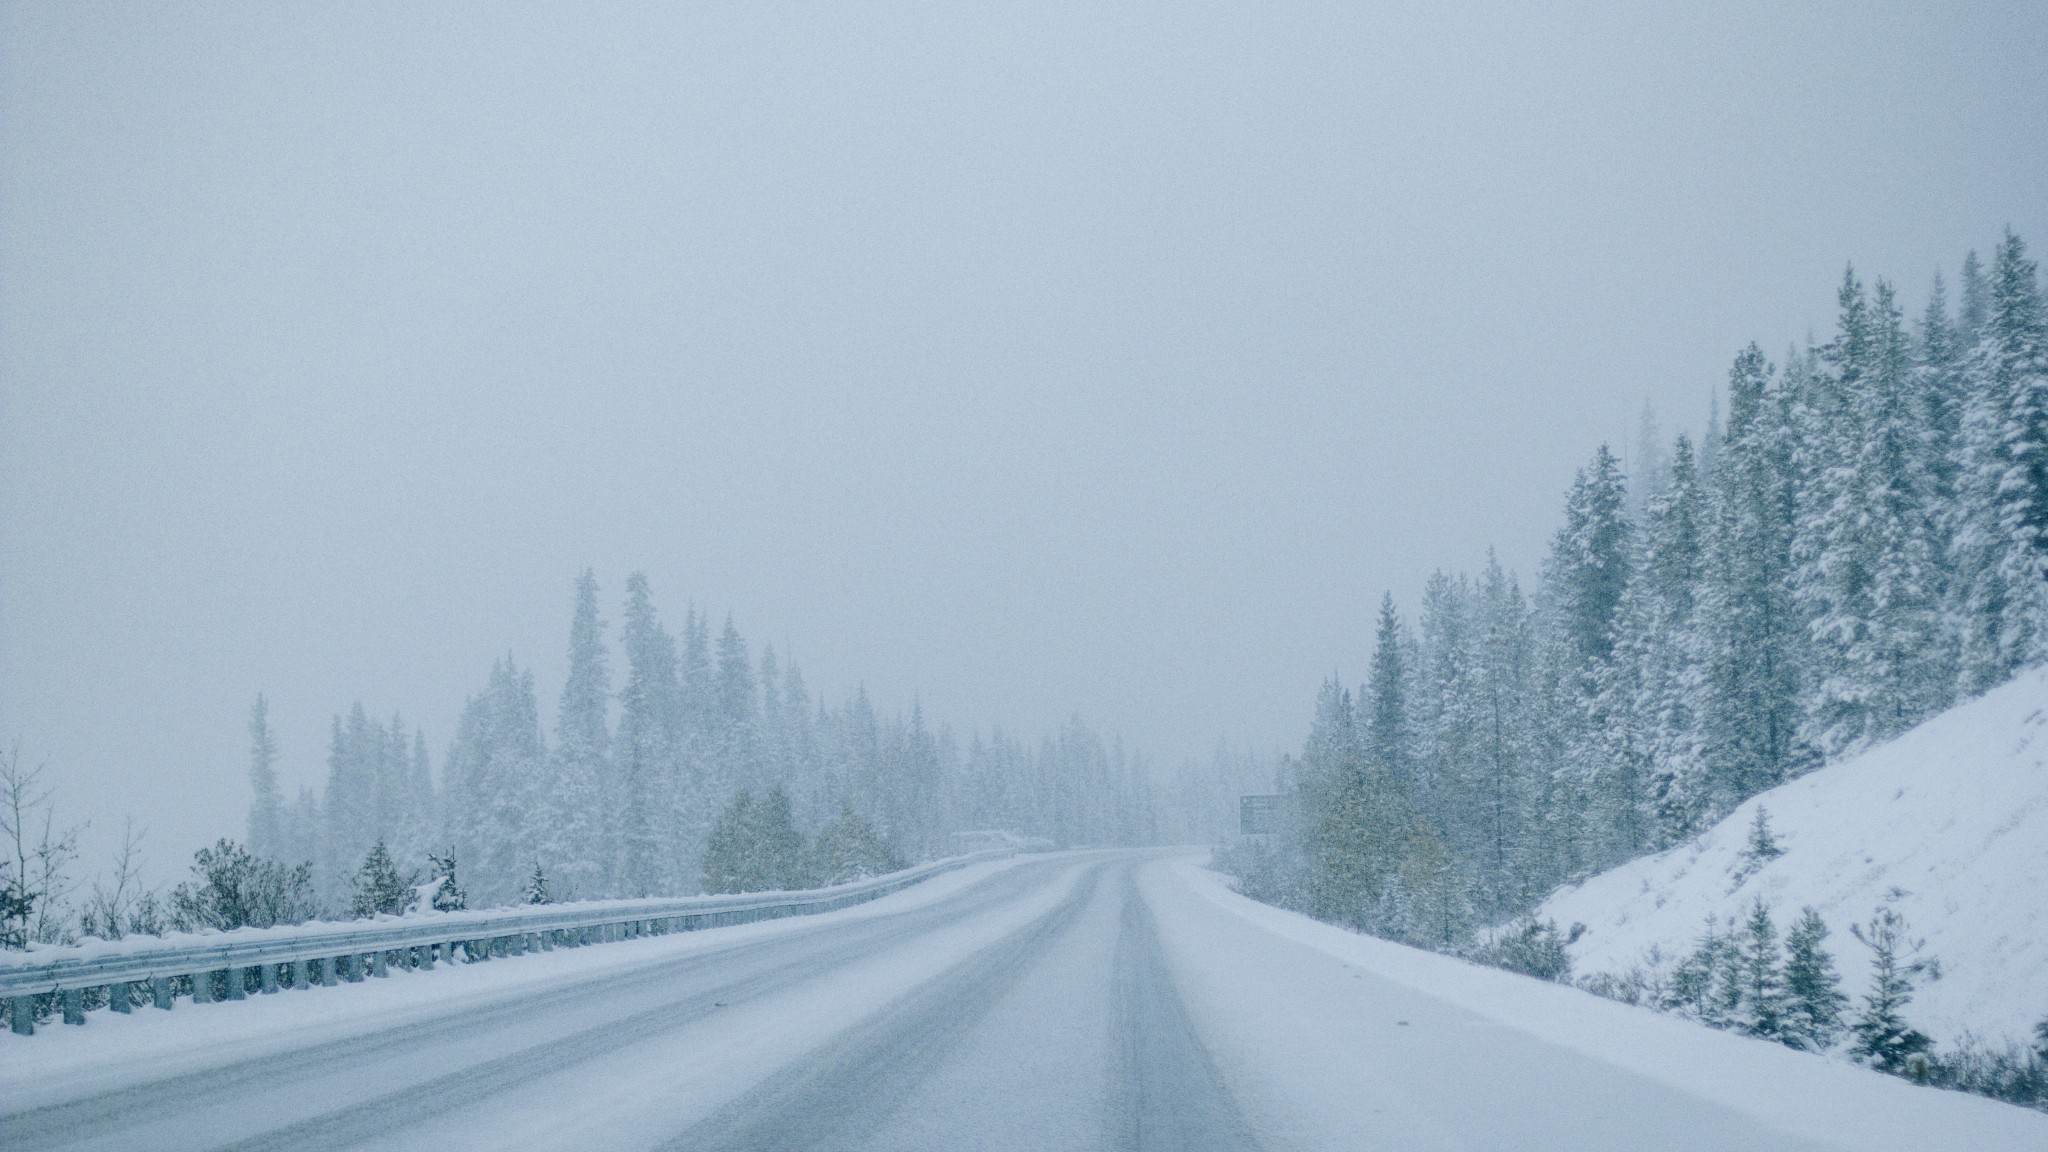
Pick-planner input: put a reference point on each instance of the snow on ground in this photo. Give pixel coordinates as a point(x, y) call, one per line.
point(1319, 1057)
point(1949, 823)
point(113, 1050)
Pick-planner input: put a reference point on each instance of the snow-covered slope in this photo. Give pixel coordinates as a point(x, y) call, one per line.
point(1948, 823)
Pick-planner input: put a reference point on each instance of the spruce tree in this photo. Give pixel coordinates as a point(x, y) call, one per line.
point(728, 855)
point(849, 848)
point(1387, 738)
point(1346, 828)
point(1659, 668)
point(736, 722)
point(266, 817)
point(2003, 538)
point(497, 785)
point(1813, 993)
point(1690, 991)
point(537, 887)
point(1939, 386)
point(448, 896)
point(1833, 544)
point(1587, 578)
point(585, 803)
point(1975, 310)
point(380, 888)
point(1765, 1012)
point(1589, 564)
point(1751, 707)
point(1883, 1039)
point(1762, 846)
point(778, 847)
point(647, 755)
point(1442, 706)
point(1502, 755)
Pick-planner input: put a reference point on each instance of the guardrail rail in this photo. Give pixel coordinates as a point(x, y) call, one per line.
point(223, 965)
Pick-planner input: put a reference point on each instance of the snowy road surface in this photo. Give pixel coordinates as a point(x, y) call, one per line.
point(1079, 1001)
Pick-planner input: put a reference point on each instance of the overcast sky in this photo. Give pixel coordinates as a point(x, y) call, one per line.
point(1021, 359)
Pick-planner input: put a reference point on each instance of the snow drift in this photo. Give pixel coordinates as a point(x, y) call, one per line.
point(1948, 824)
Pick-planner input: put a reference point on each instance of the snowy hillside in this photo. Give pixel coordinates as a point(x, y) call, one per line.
point(1949, 822)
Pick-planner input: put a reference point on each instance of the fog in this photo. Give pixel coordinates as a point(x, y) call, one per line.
point(1013, 360)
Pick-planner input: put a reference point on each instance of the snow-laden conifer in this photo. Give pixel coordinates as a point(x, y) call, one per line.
point(583, 809)
point(1813, 994)
point(2003, 531)
point(1750, 706)
point(379, 887)
point(1764, 1011)
point(266, 810)
point(1883, 1039)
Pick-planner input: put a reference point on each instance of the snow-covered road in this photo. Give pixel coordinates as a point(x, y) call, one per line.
point(1077, 1001)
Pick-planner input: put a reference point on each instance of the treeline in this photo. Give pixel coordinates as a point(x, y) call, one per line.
point(623, 800)
point(1860, 547)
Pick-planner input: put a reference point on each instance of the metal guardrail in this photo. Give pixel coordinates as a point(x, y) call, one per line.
point(303, 955)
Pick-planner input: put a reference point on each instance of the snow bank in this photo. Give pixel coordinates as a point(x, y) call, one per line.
point(1949, 823)
point(1496, 1093)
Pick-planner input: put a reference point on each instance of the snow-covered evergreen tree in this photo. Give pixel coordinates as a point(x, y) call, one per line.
point(1659, 669)
point(2002, 536)
point(266, 808)
point(379, 887)
point(736, 720)
point(1869, 578)
point(1764, 1008)
point(756, 846)
point(1813, 993)
point(1587, 577)
point(655, 810)
point(496, 784)
point(1750, 710)
point(585, 802)
point(1883, 1039)
point(849, 848)
point(1503, 761)
point(448, 895)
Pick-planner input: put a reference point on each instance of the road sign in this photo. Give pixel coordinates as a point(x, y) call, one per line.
point(1261, 815)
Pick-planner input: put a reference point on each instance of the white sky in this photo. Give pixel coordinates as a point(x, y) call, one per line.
point(1020, 358)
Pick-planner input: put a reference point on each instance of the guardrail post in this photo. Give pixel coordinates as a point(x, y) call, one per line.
point(22, 1013)
point(300, 977)
point(117, 998)
point(237, 982)
point(378, 967)
point(74, 1005)
point(269, 981)
point(327, 972)
point(160, 992)
point(202, 987)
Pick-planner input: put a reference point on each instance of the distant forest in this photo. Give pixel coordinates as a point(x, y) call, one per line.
point(644, 764)
point(1860, 547)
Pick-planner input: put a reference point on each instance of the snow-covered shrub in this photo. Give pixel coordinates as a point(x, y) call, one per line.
point(1533, 948)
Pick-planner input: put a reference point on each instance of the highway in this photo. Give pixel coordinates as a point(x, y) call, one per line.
point(1072, 1001)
